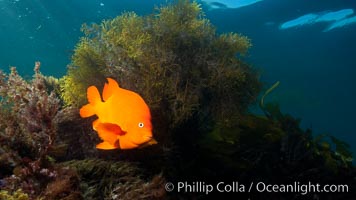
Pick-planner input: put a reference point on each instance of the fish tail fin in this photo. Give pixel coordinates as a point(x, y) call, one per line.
point(94, 98)
point(93, 95)
point(87, 111)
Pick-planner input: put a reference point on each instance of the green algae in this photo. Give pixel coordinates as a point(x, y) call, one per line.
point(17, 195)
point(173, 58)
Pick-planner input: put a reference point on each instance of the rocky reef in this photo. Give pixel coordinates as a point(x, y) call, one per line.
point(199, 90)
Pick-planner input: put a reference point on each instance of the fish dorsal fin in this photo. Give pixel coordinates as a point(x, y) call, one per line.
point(109, 88)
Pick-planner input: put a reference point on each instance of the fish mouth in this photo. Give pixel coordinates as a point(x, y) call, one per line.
point(149, 140)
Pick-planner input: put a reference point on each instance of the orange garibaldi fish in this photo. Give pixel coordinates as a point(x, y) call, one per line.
point(124, 119)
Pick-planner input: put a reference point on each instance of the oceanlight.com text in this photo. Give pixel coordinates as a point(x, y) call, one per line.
point(301, 188)
point(237, 187)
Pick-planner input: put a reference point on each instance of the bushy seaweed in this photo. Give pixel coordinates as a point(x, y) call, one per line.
point(28, 115)
point(28, 130)
point(174, 59)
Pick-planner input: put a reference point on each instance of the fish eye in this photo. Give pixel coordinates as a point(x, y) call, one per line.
point(141, 125)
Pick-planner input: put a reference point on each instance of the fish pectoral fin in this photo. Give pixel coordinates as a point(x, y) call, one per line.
point(110, 127)
point(108, 132)
point(95, 124)
point(105, 146)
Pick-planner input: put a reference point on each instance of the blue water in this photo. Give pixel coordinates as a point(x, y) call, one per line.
point(316, 69)
point(48, 30)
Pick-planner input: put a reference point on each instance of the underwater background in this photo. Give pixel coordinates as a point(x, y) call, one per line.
point(316, 69)
point(313, 59)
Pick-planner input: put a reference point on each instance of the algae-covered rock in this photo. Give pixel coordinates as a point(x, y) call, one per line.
point(102, 179)
point(241, 147)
